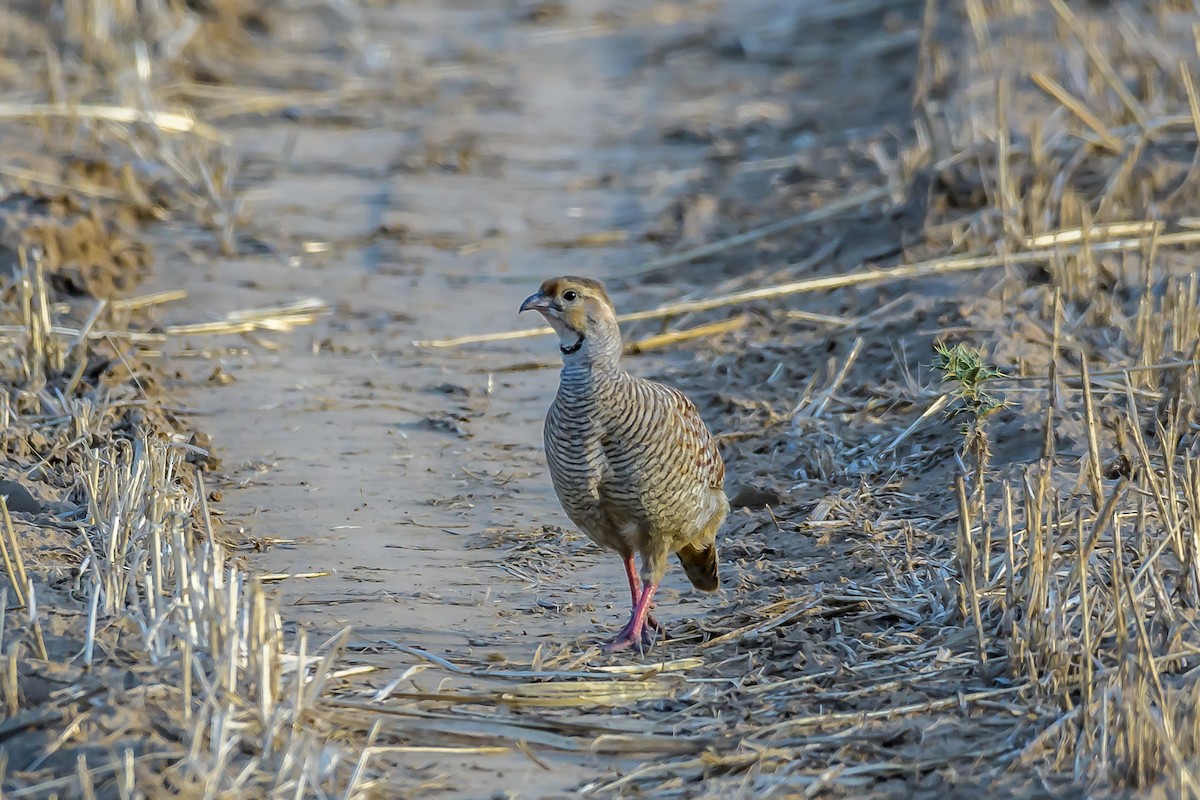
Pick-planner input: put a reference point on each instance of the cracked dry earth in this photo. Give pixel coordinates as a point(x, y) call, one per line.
point(524, 151)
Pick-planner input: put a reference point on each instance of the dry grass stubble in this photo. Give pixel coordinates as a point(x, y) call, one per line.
point(136, 658)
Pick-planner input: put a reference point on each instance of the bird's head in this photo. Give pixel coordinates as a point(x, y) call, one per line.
point(581, 314)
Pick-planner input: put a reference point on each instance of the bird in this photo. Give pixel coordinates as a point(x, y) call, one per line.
point(633, 464)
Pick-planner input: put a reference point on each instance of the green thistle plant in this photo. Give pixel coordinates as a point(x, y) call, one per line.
point(965, 366)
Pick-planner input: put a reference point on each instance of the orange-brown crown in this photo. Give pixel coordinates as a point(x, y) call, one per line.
point(589, 287)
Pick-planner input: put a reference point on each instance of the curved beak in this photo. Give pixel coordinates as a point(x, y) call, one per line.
point(536, 302)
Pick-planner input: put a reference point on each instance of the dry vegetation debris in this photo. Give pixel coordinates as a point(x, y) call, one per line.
point(1060, 604)
point(137, 659)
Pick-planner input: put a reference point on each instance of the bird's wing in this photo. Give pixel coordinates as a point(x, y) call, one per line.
point(696, 435)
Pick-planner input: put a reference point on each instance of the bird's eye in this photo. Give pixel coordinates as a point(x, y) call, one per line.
point(569, 295)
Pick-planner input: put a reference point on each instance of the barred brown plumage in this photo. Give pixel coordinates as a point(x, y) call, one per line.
point(633, 464)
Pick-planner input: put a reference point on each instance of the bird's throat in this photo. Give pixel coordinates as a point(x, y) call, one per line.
point(574, 348)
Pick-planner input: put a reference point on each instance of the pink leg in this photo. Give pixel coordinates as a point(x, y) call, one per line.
point(635, 593)
point(636, 632)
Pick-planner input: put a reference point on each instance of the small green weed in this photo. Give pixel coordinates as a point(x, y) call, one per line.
point(965, 366)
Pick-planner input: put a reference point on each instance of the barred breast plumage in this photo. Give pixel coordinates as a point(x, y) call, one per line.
point(631, 460)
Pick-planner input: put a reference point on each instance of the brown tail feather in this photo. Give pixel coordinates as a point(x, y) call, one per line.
point(700, 564)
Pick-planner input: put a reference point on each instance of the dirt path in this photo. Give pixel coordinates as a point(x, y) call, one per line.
point(381, 463)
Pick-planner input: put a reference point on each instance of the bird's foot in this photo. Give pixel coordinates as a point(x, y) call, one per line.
point(655, 625)
point(641, 642)
point(639, 631)
point(638, 637)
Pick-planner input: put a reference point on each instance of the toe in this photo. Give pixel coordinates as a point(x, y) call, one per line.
point(622, 642)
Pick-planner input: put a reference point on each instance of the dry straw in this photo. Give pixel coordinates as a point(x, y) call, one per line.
point(171, 671)
point(211, 662)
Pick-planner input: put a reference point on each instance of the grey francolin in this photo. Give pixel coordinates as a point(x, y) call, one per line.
point(632, 462)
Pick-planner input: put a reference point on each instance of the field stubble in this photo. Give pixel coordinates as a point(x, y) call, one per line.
point(139, 659)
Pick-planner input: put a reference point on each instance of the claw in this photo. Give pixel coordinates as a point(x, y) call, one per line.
point(649, 636)
point(620, 643)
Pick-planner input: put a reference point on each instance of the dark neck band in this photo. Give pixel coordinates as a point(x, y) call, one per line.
point(566, 351)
